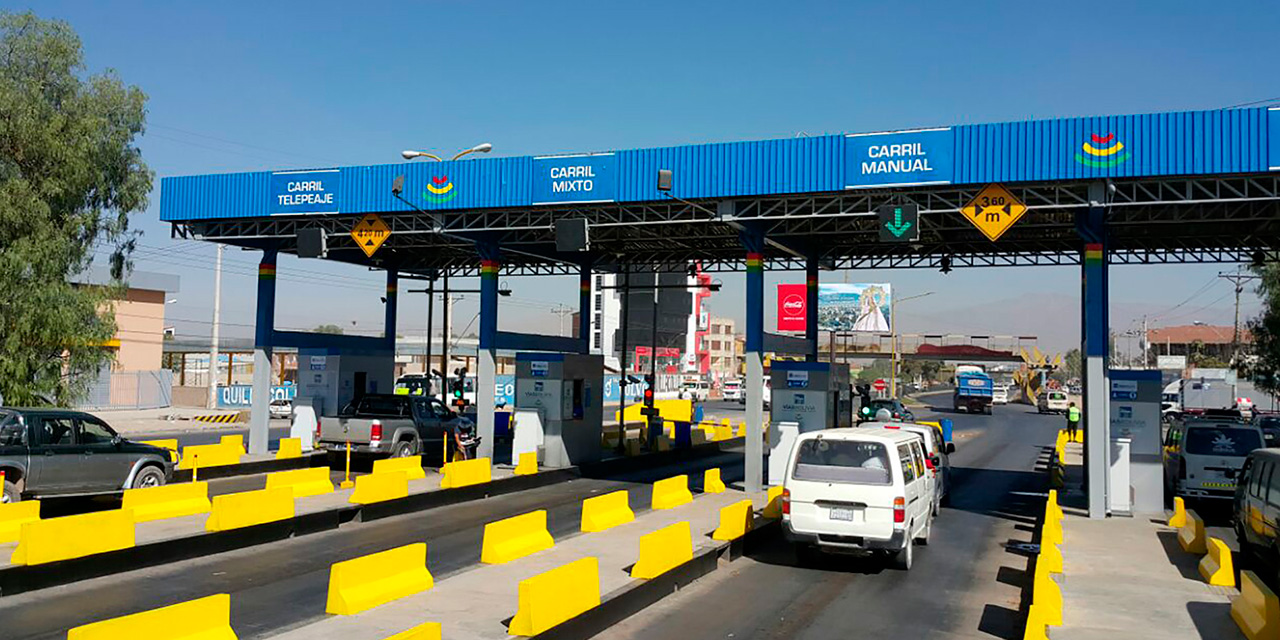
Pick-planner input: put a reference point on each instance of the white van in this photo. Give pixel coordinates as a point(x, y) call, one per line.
point(1203, 457)
point(937, 462)
point(732, 389)
point(857, 490)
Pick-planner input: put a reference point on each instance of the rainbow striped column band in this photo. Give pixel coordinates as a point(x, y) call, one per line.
point(391, 289)
point(755, 263)
point(812, 281)
point(266, 271)
point(1093, 254)
point(489, 268)
point(584, 283)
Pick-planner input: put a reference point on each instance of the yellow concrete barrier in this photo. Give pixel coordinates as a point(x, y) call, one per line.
point(247, 508)
point(1055, 508)
point(171, 444)
point(1037, 628)
point(304, 482)
point(167, 501)
point(15, 514)
point(711, 482)
point(233, 442)
point(724, 431)
point(411, 465)
point(363, 583)
point(1051, 529)
point(735, 521)
point(1216, 567)
point(1179, 517)
point(606, 511)
point(1046, 594)
point(424, 631)
point(379, 487)
point(671, 492)
point(663, 550)
point(1051, 556)
point(773, 503)
point(206, 618)
point(555, 596)
point(208, 455)
point(670, 410)
point(528, 464)
point(465, 473)
point(289, 448)
point(742, 429)
point(515, 537)
point(1256, 610)
point(1191, 535)
point(68, 537)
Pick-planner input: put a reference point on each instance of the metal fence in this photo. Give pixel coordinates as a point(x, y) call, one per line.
point(130, 390)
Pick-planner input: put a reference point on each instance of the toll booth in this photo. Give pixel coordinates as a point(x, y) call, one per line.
point(567, 391)
point(329, 378)
point(815, 395)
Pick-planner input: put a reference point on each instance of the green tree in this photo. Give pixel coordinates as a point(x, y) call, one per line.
point(70, 176)
point(1263, 361)
point(1072, 365)
point(328, 328)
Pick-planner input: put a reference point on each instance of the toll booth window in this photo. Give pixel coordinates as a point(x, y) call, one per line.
point(1214, 441)
point(828, 460)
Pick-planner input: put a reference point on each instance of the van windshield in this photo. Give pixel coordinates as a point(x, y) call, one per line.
point(824, 460)
point(1221, 441)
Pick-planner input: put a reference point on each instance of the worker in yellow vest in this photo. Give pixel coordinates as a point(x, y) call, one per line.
point(1073, 421)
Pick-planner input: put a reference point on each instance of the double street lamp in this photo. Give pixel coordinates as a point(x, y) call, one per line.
point(410, 154)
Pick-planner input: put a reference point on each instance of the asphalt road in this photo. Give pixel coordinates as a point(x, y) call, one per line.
point(965, 584)
point(279, 429)
point(283, 585)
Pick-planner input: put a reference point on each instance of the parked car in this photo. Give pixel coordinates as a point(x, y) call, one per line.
point(393, 425)
point(857, 491)
point(281, 408)
point(1203, 457)
point(1052, 401)
point(1256, 513)
point(937, 457)
point(1269, 423)
point(48, 452)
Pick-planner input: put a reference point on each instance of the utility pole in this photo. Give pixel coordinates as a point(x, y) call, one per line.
point(213, 341)
point(562, 310)
point(1144, 343)
point(1238, 279)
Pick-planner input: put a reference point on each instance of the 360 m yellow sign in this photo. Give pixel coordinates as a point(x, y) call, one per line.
point(993, 211)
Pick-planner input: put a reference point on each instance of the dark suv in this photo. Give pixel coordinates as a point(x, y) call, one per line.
point(47, 452)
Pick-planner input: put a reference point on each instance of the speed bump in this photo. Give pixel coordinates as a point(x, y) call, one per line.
point(555, 596)
point(378, 487)
point(527, 464)
point(13, 515)
point(515, 537)
point(208, 455)
point(304, 482)
point(663, 550)
point(167, 501)
point(68, 537)
point(1046, 594)
point(1191, 535)
point(735, 521)
point(606, 511)
point(411, 465)
point(711, 482)
point(233, 442)
point(671, 492)
point(206, 618)
point(1179, 517)
point(773, 503)
point(289, 448)
point(363, 583)
point(465, 473)
point(1216, 567)
point(424, 631)
point(248, 508)
point(1256, 610)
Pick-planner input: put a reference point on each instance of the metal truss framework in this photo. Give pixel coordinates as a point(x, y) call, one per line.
point(1150, 221)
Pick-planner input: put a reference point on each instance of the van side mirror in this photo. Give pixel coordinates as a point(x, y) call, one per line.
point(951, 448)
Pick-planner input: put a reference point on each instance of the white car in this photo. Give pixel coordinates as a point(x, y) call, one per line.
point(280, 408)
point(1000, 395)
point(696, 391)
point(936, 457)
point(1053, 401)
point(857, 491)
point(732, 389)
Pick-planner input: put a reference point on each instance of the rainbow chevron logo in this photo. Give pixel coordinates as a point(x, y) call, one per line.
point(1100, 155)
point(440, 190)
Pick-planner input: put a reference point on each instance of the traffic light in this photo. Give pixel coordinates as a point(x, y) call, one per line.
point(648, 409)
point(458, 386)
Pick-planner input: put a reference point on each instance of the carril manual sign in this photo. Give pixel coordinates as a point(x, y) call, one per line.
point(898, 158)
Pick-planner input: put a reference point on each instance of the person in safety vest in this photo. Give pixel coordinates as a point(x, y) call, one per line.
point(1073, 421)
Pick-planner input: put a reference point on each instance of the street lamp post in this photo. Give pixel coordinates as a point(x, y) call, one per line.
point(893, 333)
point(409, 154)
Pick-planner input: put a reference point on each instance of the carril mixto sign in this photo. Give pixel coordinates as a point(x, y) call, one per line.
point(305, 192)
point(576, 178)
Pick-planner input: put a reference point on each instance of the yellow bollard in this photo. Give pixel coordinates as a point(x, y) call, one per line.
point(711, 482)
point(346, 482)
point(195, 466)
point(1179, 517)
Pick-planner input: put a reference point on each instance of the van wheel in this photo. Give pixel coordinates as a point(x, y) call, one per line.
point(148, 477)
point(902, 559)
point(11, 493)
point(404, 449)
point(923, 539)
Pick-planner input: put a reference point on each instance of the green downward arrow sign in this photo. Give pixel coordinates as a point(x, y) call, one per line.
point(897, 227)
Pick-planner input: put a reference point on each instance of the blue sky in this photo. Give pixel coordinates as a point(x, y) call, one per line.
point(240, 86)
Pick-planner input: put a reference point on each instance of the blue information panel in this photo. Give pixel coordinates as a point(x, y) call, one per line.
point(580, 178)
point(299, 192)
point(1273, 137)
point(899, 158)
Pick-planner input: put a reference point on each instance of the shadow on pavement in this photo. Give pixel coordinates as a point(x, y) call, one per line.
point(1185, 562)
point(775, 550)
point(1213, 620)
point(1001, 622)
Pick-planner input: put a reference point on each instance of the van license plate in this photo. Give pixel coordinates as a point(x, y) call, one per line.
point(842, 514)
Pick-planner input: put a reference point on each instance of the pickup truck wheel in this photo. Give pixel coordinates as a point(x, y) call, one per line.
point(11, 493)
point(404, 449)
point(148, 477)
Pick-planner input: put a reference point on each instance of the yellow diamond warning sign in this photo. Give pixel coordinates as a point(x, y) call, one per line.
point(370, 233)
point(994, 211)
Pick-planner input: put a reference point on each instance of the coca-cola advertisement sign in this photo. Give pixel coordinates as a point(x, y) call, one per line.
point(792, 309)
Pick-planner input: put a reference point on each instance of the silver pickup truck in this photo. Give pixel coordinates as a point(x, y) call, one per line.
point(394, 425)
